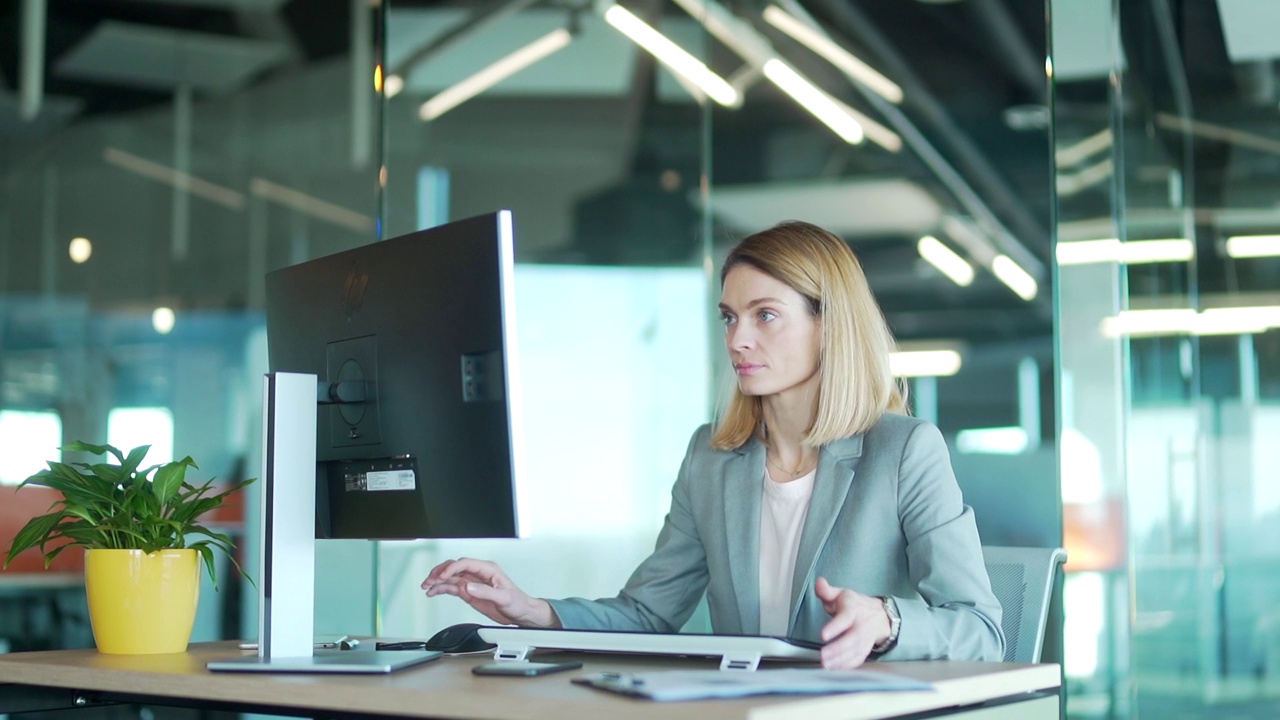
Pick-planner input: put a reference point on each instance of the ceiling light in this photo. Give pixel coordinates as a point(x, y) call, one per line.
point(992, 441)
point(393, 86)
point(850, 65)
point(1244, 246)
point(672, 55)
point(163, 319)
point(945, 260)
point(80, 249)
point(311, 205)
point(1084, 149)
point(1134, 252)
point(183, 181)
point(872, 130)
point(924, 363)
point(1186, 321)
point(814, 100)
point(1015, 277)
point(492, 75)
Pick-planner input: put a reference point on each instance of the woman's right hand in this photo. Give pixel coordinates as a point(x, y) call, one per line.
point(484, 586)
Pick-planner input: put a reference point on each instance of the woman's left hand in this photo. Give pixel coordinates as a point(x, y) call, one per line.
point(858, 623)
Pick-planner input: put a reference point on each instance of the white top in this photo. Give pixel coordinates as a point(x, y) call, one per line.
point(782, 514)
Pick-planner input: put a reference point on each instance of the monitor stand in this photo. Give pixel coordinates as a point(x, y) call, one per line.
point(286, 589)
point(330, 661)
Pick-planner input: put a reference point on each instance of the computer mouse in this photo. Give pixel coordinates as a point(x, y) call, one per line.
point(460, 638)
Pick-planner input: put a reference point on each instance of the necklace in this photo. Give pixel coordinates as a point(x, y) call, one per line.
point(801, 469)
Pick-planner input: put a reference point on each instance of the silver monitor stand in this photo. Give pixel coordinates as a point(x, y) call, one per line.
point(286, 590)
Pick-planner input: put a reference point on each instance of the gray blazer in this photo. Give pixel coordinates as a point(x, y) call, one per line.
point(886, 518)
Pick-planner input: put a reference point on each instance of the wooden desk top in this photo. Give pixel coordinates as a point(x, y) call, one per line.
point(445, 688)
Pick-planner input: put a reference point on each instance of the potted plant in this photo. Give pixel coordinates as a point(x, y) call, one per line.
point(143, 539)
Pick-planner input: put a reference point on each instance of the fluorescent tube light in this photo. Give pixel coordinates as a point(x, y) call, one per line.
point(872, 130)
point(1244, 246)
point(1134, 252)
point(814, 100)
point(924, 363)
point(1086, 252)
point(945, 260)
point(1068, 155)
point(992, 441)
point(1185, 321)
point(494, 74)
point(212, 192)
point(672, 55)
point(1137, 252)
point(310, 205)
point(1015, 277)
point(849, 64)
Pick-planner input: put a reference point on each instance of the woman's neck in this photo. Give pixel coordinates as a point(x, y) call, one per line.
point(786, 422)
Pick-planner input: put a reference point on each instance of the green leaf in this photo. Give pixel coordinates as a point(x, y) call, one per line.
point(78, 446)
point(169, 478)
point(131, 463)
point(206, 553)
point(108, 472)
point(36, 532)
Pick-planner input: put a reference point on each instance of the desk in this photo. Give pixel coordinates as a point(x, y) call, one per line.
point(446, 688)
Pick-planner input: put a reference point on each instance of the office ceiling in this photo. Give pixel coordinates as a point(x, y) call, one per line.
point(977, 159)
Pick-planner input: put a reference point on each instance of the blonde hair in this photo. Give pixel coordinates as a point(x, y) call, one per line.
point(855, 386)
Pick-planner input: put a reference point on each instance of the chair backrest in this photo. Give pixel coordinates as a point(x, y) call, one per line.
point(1022, 579)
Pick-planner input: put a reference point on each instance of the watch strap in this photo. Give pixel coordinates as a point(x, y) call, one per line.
point(895, 624)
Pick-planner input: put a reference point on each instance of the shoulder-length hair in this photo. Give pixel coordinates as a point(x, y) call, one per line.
point(855, 385)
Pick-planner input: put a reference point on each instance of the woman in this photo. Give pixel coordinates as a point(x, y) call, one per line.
point(815, 508)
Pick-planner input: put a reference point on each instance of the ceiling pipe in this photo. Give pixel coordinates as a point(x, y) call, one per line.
point(851, 21)
point(481, 19)
point(1002, 31)
point(31, 74)
point(363, 90)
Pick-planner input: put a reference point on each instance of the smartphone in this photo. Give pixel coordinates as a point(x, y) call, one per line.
point(524, 669)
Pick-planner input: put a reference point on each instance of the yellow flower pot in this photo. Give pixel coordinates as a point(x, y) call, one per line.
point(142, 604)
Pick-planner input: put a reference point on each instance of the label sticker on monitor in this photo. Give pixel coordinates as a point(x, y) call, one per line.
point(380, 480)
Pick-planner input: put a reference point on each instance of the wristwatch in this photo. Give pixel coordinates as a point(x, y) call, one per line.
point(895, 623)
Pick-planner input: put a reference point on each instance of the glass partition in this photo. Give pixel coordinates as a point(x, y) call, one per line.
point(1167, 311)
point(176, 152)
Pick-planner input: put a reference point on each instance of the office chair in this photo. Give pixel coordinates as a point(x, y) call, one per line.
point(1022, 579)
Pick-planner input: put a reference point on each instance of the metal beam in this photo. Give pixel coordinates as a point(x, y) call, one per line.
point(35, 13)
point(482, 18)
point(1025, 65)
point(991, 189)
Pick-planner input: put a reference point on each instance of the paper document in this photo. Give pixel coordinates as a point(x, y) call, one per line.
point(695, 684)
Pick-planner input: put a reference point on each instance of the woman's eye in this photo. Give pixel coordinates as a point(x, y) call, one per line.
point(767, 316)
point(727, 319)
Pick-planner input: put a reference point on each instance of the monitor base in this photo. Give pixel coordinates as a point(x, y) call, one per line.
point(340, 661)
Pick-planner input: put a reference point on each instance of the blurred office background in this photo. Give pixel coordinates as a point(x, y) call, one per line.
point(1030, 186)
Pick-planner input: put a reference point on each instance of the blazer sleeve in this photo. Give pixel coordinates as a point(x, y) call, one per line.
point(664, 590)
point(957, 616)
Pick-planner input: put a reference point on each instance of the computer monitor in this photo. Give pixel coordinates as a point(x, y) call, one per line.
point(413, 342)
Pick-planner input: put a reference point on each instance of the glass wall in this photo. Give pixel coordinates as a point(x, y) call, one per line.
point(1164, 125)
point(175, 153)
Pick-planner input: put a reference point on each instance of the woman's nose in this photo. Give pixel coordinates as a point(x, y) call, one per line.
point(739, 337)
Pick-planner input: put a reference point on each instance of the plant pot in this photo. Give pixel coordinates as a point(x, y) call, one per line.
point(139, 603)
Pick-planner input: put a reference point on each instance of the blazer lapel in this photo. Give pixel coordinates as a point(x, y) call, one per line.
point(837, 464)
point(743, 487)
